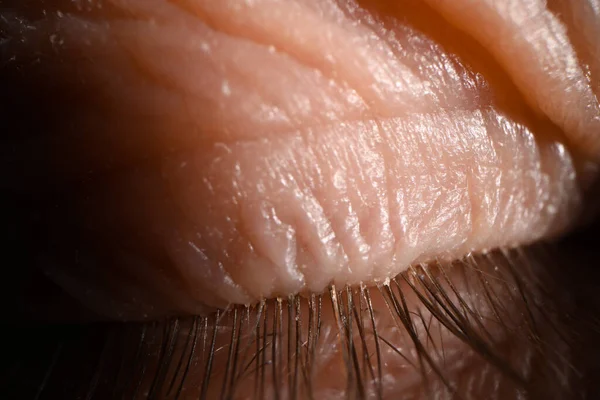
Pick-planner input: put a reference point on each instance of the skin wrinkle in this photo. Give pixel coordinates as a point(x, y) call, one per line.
point(543, 45)
point(401, 146)
point(338, 236)
point(340, 222)
point(172, 114)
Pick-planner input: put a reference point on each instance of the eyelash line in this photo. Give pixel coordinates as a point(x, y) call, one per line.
point(256, 347)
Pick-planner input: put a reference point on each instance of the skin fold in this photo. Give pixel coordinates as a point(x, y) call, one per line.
point(174, 158)
point(232, 157)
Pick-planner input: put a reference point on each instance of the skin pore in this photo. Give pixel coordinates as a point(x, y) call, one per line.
point(301, 199)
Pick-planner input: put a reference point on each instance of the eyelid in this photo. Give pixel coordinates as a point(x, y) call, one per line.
point(341, 205)
point(292, 179)
point(528, 38)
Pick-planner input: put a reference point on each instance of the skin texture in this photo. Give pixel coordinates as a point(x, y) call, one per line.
point(223, 153)
point(542, 43)
point(188, 156)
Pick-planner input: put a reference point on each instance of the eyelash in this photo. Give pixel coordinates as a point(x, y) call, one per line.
point(198, 357)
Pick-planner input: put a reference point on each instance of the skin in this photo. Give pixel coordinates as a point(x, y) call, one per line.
point(200, 154)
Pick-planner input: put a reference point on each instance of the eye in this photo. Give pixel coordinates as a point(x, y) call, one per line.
point(206, 155)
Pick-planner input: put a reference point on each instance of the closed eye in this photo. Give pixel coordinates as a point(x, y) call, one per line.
point(206, 155)
point(508, 324)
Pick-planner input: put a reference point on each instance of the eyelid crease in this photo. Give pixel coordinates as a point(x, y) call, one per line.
point(528, 39)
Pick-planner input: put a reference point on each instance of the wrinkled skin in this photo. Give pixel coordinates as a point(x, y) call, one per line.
point(177, 157)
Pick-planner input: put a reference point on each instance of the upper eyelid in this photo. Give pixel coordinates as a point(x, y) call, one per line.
point(192, 184)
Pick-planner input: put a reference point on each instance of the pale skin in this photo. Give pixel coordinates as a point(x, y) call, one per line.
point(229, 152)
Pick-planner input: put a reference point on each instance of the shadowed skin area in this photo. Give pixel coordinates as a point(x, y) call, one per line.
point(330, 176)
point(538, 345)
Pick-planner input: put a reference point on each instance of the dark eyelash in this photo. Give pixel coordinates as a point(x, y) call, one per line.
point(256, 346)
